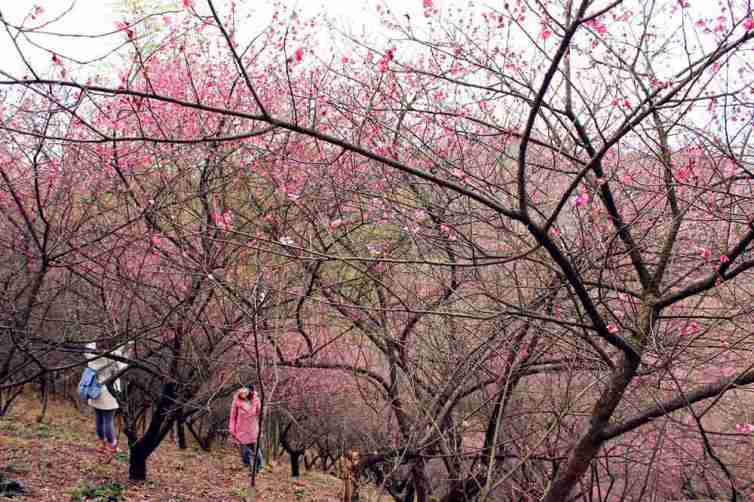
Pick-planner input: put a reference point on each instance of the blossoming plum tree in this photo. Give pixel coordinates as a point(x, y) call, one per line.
point(537, 210)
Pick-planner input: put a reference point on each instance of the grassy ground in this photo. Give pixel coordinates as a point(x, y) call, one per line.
point(56, 460)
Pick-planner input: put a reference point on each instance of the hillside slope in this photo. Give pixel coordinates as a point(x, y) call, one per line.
point(56, 460)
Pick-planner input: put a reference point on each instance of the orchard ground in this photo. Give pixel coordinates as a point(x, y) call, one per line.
point(56, 460)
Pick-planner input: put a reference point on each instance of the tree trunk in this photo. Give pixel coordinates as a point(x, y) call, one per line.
point(328, 462)
point(577, 464)
point(204, 443)
point(589, 444)
point(159, 426)
point(410, 491)
point(293, 453)
point(45, 391)
point(71, 393)
point(295, 464)
point(464, 490)
point(180, 431)
point(137, 465)
point(6, 399)
point(420, 483)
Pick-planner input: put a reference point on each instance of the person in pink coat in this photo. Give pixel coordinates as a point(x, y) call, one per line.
point(244, 424)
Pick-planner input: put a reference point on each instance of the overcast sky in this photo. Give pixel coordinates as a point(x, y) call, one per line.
point(100, 16)
point(86, 16)
point(92, 17)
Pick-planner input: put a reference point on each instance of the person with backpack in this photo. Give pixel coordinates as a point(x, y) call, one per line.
point(244, 424)
point(99, 396)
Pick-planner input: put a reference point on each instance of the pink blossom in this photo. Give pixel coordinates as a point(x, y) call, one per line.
point(749, 24)
point(224, 220)
point(582, 199)
point(597, 26)
point(683, 174)
point(299, 54)
point(545, 34)
point(690, 329)
point(124, 26)
point(612, 328)
point(744, 428)
point(724, 259)
point(385, 60)
point(335, 223)
point(427, 4)
point(56, 59)
point(188, 3)
point(705, 253)
point(728, 371)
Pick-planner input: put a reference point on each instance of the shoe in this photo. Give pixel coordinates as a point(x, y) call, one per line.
point(112, 447)
point(102, 446)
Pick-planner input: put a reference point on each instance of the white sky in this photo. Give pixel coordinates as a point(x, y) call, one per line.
point(92, 17)
point(99, 16)
point(86, 16)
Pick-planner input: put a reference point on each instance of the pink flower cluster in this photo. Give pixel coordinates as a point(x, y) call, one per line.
point(224, 220)
point(744, 428)
point(690, 329)
point(582, 199)
point(384, 63)
point(597, 26)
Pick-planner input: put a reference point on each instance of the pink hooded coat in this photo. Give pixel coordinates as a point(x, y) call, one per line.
point(244, 419)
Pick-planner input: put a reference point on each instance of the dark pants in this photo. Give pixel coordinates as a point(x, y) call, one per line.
point(247, 450)
point(105, 425)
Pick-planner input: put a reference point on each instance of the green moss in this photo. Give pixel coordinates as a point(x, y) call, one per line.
point(106, 492)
